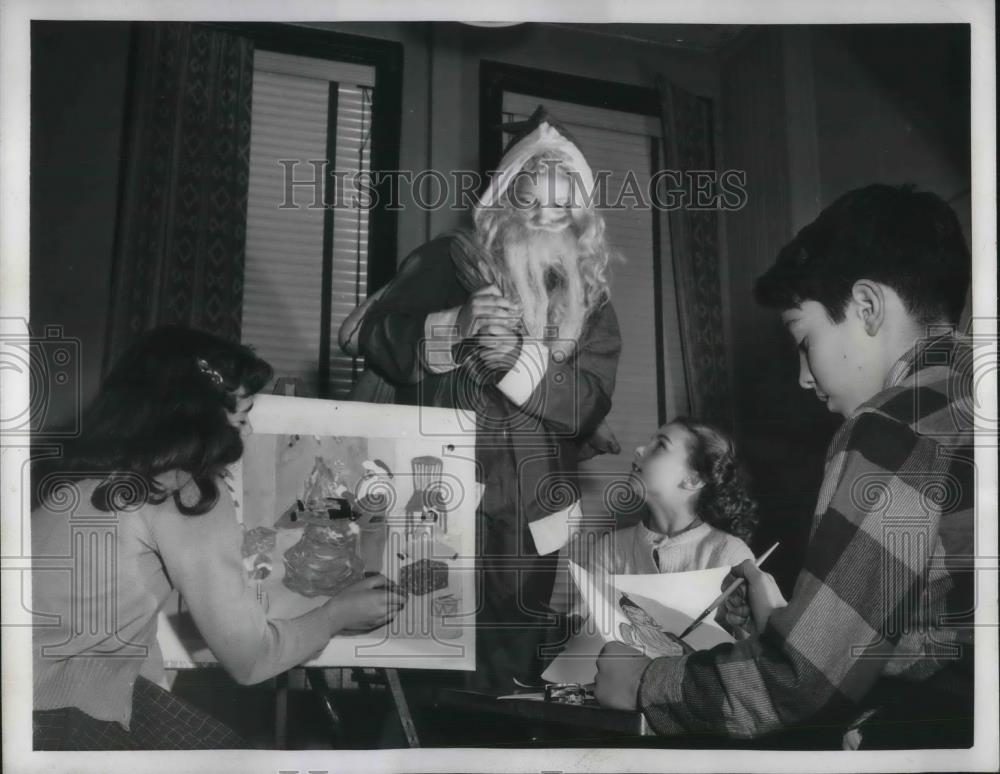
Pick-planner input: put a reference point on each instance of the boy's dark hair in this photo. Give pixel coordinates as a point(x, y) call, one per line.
point(164, 407)
point(906, 239)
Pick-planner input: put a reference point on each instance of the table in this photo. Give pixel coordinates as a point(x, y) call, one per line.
point(585, 717)
point(596, 726)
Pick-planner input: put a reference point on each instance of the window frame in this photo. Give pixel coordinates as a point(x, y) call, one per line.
point(495, 78)
point(386, 109)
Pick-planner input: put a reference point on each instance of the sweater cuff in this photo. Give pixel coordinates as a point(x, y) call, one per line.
point(660, 687)
point(526, 374)
point(440, 335)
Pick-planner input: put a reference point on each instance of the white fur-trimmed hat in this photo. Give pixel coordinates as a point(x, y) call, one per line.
point(538, 134)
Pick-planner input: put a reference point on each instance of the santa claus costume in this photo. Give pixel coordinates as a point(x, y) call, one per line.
point(534, 414)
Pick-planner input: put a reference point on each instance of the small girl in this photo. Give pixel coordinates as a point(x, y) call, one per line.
point(697, 515)
point(698, 510)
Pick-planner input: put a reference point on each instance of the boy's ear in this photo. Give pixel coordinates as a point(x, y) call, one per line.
point(870, 306)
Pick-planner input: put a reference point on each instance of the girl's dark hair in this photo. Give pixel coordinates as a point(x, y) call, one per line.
point(164, 407)
point(724, 500)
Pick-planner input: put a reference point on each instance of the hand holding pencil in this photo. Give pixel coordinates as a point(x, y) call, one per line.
point(755, 599)
point(737, 604)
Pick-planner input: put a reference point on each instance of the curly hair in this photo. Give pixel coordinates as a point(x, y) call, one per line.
point(165, 407)
point(587, 224)
point(724, 500)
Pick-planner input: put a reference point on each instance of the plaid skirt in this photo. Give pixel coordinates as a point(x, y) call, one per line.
point(160, 721)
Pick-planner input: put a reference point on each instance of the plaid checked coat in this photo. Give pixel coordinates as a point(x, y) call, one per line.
point(886, 590)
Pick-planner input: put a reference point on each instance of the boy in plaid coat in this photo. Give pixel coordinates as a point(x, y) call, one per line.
point(879, 624)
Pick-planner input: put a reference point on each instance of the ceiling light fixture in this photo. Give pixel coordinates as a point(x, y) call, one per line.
point(492, 23)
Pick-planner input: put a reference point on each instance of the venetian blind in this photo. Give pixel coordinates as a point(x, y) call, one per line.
point(283, 286)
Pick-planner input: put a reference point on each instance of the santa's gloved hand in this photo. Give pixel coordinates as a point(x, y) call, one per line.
point(491, 353)
point(486, 307)
point(499, 347)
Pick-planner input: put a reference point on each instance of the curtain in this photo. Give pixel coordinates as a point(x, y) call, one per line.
point(182, 213)
point(694, 238)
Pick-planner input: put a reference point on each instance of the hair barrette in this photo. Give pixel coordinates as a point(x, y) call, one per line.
point(211, 373)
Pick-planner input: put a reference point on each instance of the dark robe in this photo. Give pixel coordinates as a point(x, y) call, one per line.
point(526, 456)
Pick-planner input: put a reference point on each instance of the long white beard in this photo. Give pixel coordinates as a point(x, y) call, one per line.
point(544, 272)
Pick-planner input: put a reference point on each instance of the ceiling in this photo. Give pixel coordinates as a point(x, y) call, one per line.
point(695, 37)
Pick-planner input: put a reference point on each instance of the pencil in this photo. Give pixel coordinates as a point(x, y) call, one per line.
point(722, 597)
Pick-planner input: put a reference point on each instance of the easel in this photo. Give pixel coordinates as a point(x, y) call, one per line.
point(315, 677)
point(315, 680)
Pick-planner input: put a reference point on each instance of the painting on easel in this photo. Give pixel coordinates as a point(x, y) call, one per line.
point(328, 492)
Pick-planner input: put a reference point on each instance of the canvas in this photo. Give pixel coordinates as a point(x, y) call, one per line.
point(328, 492)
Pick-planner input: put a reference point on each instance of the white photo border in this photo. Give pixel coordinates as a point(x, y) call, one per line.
point(14, 220)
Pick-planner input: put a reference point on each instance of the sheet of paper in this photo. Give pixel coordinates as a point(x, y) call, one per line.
point(524, 696)
point(671, 600)
point(578, 662)
point(706, 635)
point(675, 599)
point(688, 592)
point(598, 591)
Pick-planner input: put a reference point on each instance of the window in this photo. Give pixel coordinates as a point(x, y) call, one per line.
point(307, 265)
point(650, 383)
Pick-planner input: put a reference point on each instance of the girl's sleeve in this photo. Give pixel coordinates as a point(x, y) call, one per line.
point(735, 551)
point(201, 555)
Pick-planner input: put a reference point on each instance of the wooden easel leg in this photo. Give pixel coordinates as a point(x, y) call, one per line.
point(402, 708)
point(316, 680)
point(281, 711)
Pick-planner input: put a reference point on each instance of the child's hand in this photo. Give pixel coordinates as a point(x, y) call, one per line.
point(760, 593)
point(366, 605)
point(733, 614)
